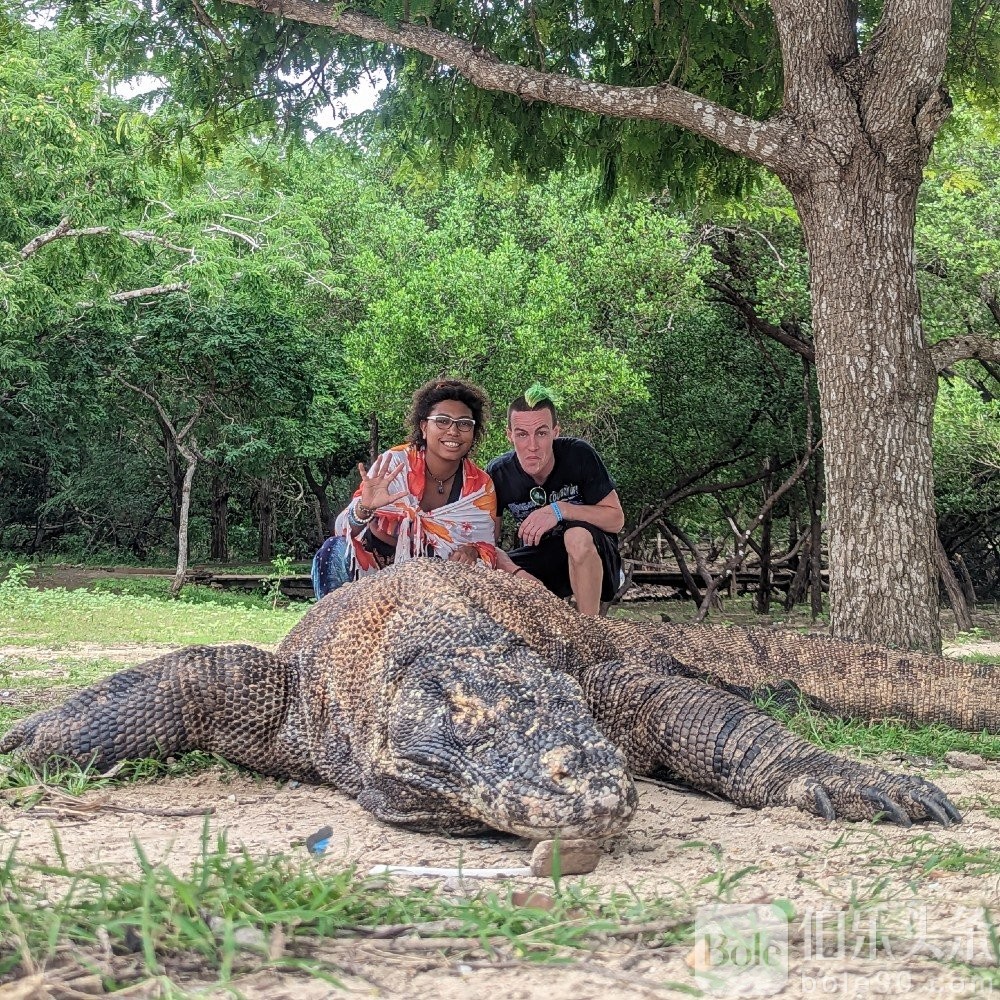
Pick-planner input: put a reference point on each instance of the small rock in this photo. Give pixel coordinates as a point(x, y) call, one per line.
point(533, 900)
point(699, 958)
point(576, 857)
point(965, 761)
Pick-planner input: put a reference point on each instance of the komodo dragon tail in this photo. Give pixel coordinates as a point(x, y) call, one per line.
point(851, 679)
point(236, 701)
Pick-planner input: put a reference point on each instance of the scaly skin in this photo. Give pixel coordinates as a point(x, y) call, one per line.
point(448, 698)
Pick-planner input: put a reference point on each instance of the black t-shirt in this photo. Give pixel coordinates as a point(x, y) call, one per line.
point(579, 476)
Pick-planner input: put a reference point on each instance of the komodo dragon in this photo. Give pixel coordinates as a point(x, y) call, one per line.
point(448, 698)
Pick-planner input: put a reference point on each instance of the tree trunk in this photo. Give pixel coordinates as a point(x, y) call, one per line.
point(764, 587)
point(191, 457)
point(373, 438)
point(877, 388)
point(327, 515)
point(965, 579)
point(175, 474)
point(951, 585)
point(265, 521)
point(219, 551)
point(816, 542)
point(689, 585)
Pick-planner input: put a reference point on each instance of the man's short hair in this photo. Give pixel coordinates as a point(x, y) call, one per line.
point(535, 397)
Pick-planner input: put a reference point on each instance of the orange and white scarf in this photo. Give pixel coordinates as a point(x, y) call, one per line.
point(466, 521)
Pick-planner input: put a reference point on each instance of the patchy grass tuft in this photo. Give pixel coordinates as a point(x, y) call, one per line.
point(233, 914)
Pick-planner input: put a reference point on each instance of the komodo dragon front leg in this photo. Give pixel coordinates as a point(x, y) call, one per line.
point(715, 741)
point(237, 701)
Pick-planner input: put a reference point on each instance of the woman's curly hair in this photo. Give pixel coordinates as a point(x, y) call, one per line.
point(437, 391)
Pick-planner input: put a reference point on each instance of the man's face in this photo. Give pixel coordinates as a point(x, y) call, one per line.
point(531, 433)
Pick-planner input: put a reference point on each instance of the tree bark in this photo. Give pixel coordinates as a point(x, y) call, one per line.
point(265, 521)
point(877, 389)
point(816, 542)
point(190, 453)
point(327, 515)
point(219, 550)
point(175, 474)
point(951, 585)
point(764, 587)
point(965, 578)
point(689, 585)
point(373, 438)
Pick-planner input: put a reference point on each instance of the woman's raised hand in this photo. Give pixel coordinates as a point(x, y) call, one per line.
point(375, 485)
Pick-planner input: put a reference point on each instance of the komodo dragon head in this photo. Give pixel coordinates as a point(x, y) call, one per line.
point(473, 730)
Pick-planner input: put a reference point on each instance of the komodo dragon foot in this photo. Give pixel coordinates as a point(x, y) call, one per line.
point(715, 741)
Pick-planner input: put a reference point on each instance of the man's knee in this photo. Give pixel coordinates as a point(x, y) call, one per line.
point(579, 543)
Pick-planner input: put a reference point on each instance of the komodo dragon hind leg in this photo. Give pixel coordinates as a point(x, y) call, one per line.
point(236, 701)
point(715, 741)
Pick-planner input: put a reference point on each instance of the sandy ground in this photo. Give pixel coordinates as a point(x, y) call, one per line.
point(843, 880)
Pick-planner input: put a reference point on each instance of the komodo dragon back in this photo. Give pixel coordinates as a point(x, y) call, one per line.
point(451, 698)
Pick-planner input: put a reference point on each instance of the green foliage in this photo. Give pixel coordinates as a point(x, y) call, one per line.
point(272, 585)
point(966, 451)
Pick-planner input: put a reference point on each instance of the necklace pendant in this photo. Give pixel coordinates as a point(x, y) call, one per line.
point(440, 486)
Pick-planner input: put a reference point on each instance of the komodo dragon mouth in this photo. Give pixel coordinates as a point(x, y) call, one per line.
point(450, 698)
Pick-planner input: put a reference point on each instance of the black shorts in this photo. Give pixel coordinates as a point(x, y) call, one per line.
point(548, 562)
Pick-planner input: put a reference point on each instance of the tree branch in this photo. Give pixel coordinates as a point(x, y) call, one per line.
point(767, 143)
point(140, 293)
point(742, 305)
point(973, 346)
point(236, 234)
point(65, 230)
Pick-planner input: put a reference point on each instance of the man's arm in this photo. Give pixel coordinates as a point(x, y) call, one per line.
point(607, 515)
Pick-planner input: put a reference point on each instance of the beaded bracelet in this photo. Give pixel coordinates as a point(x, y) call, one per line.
point(352, 518)
point(558, 513)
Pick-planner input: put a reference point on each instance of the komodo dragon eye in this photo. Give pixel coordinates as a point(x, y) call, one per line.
point(473, 718)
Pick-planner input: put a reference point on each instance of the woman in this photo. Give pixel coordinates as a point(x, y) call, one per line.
point(423, 498)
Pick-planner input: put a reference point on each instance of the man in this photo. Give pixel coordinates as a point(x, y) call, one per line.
point(559, 493)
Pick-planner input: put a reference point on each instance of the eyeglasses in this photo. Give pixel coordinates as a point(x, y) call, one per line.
point(466, 425)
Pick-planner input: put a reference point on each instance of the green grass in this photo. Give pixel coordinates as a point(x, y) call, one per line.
point(233, 914)
point(925, 854)
point(158, 588)
point(886, 737)
point(60, 617)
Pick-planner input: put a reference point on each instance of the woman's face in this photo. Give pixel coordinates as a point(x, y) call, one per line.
point(448, 444)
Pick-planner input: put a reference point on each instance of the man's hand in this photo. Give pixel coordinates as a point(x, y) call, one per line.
point(467, 555)
point(536, 524)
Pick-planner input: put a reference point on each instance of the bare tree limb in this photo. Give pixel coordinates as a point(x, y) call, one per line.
point(729, 296)
point(226, 231)
point(141, 293)
point(65, 230)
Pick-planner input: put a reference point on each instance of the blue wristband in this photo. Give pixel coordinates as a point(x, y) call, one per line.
point(558, 513)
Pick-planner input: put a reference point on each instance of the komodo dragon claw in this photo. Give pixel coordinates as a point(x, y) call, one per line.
point(886, 806)
point(871, 794)
point(822, 803)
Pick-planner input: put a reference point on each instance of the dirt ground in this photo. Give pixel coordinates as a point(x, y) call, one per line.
point(843, 879)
